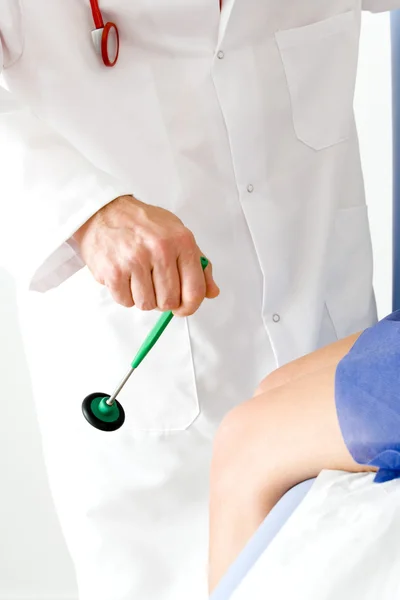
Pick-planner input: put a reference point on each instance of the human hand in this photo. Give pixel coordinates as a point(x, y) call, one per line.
point(146, 257)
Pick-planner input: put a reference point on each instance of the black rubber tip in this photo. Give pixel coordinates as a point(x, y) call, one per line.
point(91, 402)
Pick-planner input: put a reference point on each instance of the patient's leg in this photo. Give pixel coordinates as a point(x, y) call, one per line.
point(283, 436)
point(329, 355)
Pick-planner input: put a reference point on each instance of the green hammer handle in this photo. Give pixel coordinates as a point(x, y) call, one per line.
point(157, 331)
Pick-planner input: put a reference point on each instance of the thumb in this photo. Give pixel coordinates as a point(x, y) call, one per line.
point(212, 290)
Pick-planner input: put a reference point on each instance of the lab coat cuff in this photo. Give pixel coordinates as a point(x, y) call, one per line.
point(58, 258)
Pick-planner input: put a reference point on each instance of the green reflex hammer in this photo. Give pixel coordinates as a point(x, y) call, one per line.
point(105, 412)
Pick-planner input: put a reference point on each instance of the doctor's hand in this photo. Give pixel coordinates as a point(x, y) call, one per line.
point(146, 257)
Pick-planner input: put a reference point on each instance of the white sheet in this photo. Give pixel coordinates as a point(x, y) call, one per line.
point(342, 543)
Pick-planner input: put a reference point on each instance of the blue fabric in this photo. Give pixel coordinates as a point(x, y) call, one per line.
point(261, 539)
point(367, 395)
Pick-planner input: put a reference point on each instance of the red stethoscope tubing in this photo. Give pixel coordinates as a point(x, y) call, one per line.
point(107, 29)
point(97, 16)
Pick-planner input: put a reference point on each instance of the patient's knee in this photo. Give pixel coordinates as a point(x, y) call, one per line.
point(244, 469)
point(276, 378)
point(229, 450)
point(228, 432)
point(236, 460)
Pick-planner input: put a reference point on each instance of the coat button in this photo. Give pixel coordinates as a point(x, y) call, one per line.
point(276, 318)
point(250, 188)
point(220, 54)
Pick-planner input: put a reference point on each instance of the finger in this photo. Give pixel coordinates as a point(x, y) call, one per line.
point(212, 290)
point(167, 285)
point(120, 290)
point(142, 288)
point(193, 283)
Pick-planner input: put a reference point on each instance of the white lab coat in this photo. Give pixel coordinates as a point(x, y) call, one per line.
point(242, 124)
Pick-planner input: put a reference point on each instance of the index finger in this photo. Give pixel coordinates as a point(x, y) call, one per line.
point(193, 284)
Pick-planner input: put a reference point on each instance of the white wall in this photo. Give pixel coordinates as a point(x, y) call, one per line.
point(373, 100)
point(34, 563)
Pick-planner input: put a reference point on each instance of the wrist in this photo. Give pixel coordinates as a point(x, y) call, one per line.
point(81, 232)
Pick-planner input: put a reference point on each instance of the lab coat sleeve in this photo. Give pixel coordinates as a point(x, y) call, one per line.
point(380, 5)
point(58, 190)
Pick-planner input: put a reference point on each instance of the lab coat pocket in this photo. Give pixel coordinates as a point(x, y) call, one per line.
point(161, 395)
point(349, 296)
point(320, 64)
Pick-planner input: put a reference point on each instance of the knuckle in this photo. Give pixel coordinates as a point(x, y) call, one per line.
point(171, 303)
point(182, 313)
point(188, 309)
point(162, 251)
point(162, 245)
point(133, 270)
point(127, 303)
point(137, 259)
point(145, 305)
point(121, 299)
point(197, 297)
point(113, 275)
point(186, 237)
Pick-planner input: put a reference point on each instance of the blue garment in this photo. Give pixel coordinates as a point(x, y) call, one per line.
point(367, 395)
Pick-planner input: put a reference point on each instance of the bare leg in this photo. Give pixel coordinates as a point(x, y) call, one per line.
point(267, 445)
point(329, 355)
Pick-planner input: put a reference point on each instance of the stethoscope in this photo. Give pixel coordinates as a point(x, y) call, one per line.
point(105, 37)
